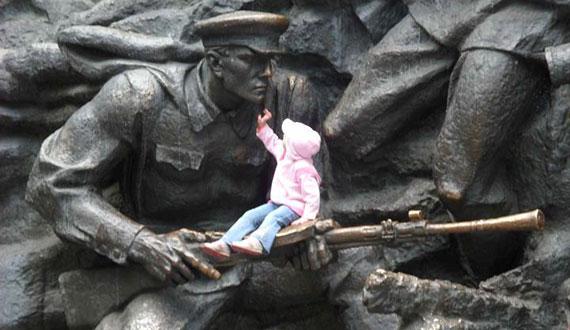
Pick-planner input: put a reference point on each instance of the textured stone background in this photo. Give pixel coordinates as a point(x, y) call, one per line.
point(327, 40)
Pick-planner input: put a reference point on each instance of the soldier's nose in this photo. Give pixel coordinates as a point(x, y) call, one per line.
point(267, 72)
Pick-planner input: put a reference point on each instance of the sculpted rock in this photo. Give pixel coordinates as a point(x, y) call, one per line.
point(28, 281)
point(443, 303)
point(315, 29)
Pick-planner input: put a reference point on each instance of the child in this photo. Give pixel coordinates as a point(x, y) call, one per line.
point(294, 191)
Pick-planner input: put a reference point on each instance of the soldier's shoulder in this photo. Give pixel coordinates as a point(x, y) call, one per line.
point(135, 89)
point(142, 81)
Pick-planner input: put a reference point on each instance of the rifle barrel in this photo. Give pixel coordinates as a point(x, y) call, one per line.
point(532, 220)
point(393, 230)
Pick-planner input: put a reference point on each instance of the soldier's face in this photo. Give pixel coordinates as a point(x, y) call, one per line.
point(246, 73)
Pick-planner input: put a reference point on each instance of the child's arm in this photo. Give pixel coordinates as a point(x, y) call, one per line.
point(312, 197)
point(272, 143)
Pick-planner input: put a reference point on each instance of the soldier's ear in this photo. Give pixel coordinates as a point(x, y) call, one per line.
point(214, 58)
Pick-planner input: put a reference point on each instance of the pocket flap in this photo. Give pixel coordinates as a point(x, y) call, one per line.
point(180, 158)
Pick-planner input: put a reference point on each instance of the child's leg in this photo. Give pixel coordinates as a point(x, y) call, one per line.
point(271, 225)
point(247, 223)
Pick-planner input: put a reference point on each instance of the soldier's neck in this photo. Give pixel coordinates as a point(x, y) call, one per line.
point(224, 99)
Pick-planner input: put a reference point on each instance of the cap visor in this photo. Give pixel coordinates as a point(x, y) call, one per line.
point(267, 51)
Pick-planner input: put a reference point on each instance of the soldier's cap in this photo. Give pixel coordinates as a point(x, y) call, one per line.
point(257, 30)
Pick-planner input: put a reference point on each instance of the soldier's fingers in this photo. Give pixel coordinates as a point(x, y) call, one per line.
point(185, 271)
point(304, 259)
point(322, 249)
point(176, 278)
point(202, 266)
point(168, 273)
point(294, 257)
point(325, 254)
point(177, 266)
point(305, 262)
point(312, 255)
point(296, 261)
point(190, 236)
point(156, 272)
point(323, 226)
point(213, 235)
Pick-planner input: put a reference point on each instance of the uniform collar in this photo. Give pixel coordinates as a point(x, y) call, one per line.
point(201, 109)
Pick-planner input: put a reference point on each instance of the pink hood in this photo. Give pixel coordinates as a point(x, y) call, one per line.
point(302, 142)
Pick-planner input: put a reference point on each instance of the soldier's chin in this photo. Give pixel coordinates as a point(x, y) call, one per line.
point(256, 98)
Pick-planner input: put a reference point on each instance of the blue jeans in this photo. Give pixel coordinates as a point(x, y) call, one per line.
point(264, 221)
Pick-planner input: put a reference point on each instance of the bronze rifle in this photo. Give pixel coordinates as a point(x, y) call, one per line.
point(389, 231)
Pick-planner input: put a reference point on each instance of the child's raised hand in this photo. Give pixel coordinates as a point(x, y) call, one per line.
point(262, 120)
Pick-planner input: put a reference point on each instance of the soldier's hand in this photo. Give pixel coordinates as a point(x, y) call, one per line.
point(322, 226)
point(159, 258)
point(165, 257)
point(185, 242)
point(312, 254)
point(315, 253)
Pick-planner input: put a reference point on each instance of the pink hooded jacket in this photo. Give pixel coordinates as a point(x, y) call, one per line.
point(296, 181)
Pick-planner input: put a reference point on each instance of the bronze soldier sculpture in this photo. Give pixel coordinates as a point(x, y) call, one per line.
point(487, 57)
point(172, 131)
point(180, 139)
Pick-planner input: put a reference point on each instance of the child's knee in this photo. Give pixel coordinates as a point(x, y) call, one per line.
point(251, 217)
point(281, 220)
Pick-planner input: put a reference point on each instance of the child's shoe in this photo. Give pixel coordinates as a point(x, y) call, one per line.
point(218, 249)
point(250, 246)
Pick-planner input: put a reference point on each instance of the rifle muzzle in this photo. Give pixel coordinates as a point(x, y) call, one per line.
point(532, 220)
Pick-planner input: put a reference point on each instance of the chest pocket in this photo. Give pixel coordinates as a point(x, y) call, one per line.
point(179, 158)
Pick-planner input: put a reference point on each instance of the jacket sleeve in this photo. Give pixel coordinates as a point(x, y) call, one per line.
point(78, 158)
point(271, 141)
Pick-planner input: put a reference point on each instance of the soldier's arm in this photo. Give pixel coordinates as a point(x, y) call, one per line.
point(75, 161)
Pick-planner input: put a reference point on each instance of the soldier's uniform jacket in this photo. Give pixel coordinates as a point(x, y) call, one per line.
point(181, 161)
